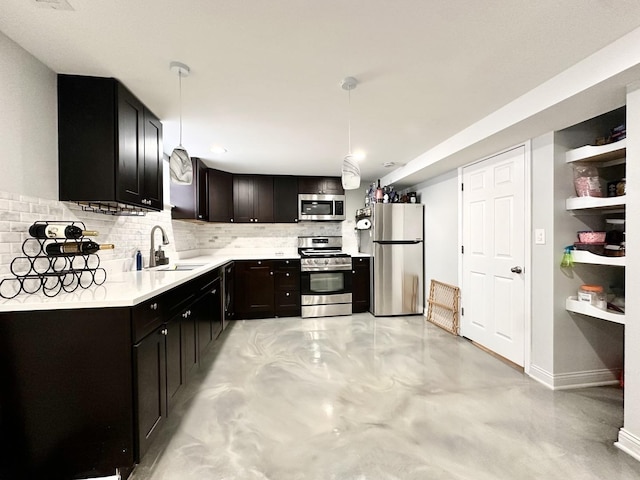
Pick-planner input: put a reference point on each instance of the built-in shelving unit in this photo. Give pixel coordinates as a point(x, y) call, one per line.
point(602, 157)
point(600, 203)
point(584, 308)
point(582, 256)
point(612, 152)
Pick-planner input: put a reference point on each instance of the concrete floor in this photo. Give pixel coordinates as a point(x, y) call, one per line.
point(365, 398)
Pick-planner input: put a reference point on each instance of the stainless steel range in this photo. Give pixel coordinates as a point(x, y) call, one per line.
point(325, 277)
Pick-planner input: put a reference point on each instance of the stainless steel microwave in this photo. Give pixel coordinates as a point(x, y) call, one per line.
point(321, 207)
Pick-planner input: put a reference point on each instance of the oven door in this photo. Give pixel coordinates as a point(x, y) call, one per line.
point(333, 282)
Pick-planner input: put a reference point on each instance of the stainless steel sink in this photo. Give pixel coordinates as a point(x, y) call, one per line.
point(181, 267)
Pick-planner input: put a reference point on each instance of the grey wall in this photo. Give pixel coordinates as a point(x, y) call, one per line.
point(28, 123)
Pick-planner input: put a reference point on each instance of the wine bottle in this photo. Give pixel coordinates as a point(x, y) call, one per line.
point(41, 230)
point(75, 248)
point(379, 193)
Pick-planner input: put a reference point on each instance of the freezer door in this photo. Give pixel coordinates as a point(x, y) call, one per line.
point(398, 221)
point(398, 287)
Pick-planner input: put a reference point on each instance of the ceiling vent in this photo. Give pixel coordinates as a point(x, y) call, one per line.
point(54, 4)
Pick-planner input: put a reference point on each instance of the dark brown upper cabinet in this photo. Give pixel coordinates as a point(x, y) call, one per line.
point(321, 185)
point(191, 202)
point(109, 145)
point(252, 199)
point(220, 186)
point(285, 199)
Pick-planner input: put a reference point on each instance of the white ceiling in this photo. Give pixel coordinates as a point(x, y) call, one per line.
point(265, 75)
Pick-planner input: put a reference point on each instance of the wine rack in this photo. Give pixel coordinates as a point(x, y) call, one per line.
point(36, 271)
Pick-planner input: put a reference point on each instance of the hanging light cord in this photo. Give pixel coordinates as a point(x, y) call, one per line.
point(349, 119)
point(180, 97)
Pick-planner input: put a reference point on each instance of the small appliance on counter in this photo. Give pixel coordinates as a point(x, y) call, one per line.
point(325, 277)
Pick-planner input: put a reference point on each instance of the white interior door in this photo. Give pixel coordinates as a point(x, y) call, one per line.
point(493, 233)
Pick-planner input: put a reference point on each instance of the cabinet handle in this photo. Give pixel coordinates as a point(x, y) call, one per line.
point(295, 219)
point(153, 306)
point(165, 331)
point(231, 220)
point(353, 271)
point(270, 273)
point(199, 216)
point(287, 294)
point(287, 274)
point(184, 315)
point(214, 291)
point(189, 312)
point(259, 262)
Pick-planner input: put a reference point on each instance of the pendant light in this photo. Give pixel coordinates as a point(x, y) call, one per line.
point(350, 167)
point(180, 165)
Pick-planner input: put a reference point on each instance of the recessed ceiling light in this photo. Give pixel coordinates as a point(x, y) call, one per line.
point(392, 164)
point(218, 150)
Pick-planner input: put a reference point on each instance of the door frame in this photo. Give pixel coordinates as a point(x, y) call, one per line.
point(527, 242)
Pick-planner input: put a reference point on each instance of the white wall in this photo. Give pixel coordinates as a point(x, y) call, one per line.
point(542, 258)
point(440, 198)
point(28, 123)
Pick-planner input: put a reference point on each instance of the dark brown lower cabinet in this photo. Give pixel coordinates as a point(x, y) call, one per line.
point(208, 311)
point(86, 391)
point(66, 400)
point(150, 370)
point(267, 288)
point(254, 289)
point(360, 284)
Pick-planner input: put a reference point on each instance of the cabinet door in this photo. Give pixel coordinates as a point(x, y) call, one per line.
point(220, 195)
point(263, 199)
point(152, 178)
point(189, 330)
point(310, 185)
point(208, 309)
point(174, 359)
point(242, 198)
point(254, 293)
point(332, 186)
point(150, 387)
point(285, 199)
point(360, 285)
point(229, 299)
point(190, 202)
point(130, 147)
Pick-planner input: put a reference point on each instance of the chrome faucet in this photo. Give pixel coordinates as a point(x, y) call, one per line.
point(165, 241)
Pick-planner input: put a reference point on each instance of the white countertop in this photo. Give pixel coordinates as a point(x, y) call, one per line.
point(126, 289)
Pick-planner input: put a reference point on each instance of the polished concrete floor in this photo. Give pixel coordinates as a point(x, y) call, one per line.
point(364, 398)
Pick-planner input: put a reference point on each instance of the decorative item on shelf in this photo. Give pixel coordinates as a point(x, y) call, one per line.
point(180, 166)
point(72, 265)
point(586, 181)
point(350, 167)
point(567, 258)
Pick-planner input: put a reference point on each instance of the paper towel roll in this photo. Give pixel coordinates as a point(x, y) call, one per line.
point(364, 224)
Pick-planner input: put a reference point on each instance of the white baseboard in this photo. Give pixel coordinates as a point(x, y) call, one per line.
point(565, 381)
point(628, 443)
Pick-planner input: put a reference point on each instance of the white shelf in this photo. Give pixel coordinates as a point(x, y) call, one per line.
point(583, 256)
point(580, 203)
point(598, 153)
point(584, 308)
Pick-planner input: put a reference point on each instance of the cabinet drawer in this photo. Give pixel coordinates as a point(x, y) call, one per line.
point(147, 316)
point(287, 303)
point(287, 280)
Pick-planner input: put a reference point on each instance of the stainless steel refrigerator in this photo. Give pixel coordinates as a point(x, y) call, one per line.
point(395, 242)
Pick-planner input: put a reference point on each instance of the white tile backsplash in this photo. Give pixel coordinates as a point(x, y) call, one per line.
point(18, 212)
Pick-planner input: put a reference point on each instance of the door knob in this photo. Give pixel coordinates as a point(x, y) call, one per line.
point(516, 269)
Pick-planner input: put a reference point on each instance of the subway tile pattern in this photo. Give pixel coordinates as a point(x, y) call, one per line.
point(131, 233)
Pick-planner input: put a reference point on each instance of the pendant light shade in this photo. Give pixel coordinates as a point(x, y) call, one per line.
point(180, 166)
point(350, 167)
